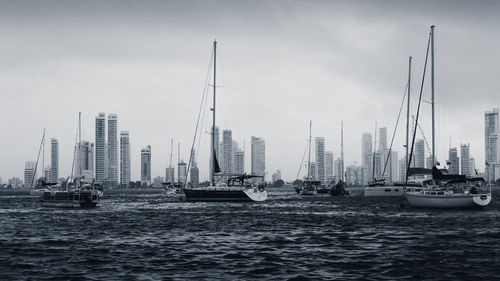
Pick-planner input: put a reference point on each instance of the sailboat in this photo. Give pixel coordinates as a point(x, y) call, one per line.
point(446, 190)
point(378, 188)
point(308, 187)
point(236, 187)
point(340, 189)
point(79, 192)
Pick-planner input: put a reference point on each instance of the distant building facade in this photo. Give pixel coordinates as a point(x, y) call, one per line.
point(146, 166)
point(258, 160)
point(100, 148)
point(54, 160)
point(124, 158)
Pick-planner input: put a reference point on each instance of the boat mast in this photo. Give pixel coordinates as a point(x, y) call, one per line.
point(408, 108)
point(374, 148)
point(79, 144)
point(171, 147)
point(432, 99)
point(212, 152)
point(43, 157)
point(342, 149)
point(309, 159)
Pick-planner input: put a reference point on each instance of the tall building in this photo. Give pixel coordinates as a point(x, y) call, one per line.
point(85, 162)
point(472, 167)
point(146, 166)
point(491, 140)
point(170, 174)
point(419, 154)
point(181, 171)
point(454, 167)
point(465, 159)
point(402, 169)
point(382, 139)
point(54, 160)
point(378, 165)
point(366, 157)
point(393, 167)
point(239, 162)
point(329, 166)
point(29, 174)
point(320, 158)
point(429, 162)
point(194, 173)
point(124, 158)
point(276, 176)
point(354, 175)
point(112, 150)
point(258, 160)
point(100, 147)
point(227, 153)
point(312, 172)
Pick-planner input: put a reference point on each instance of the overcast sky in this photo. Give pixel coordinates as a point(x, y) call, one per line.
point(281, 64)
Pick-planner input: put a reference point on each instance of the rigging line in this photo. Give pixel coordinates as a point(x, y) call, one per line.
point(425, 139)
point(42, 142)
point(418, 111)
point(74, 152)
point(204, 108)
point(302, 162)
point(395, 128)
point(199, 115)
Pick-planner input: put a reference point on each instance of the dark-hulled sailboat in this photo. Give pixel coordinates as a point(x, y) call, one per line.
point(236, 187)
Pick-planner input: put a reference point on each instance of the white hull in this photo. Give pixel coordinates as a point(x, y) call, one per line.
point(388, 191)
point(460, 200)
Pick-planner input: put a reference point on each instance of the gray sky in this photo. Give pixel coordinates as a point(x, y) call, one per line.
point(281, 64)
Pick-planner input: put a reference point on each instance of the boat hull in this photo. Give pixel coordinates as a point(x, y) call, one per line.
point(224, 194)
point(449, 201)
point(70, 199)
point(388, 191)
point(308, 193)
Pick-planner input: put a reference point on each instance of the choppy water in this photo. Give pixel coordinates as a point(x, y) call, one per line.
point(137, 237)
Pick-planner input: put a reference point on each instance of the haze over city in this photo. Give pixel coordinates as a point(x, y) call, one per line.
point(281, 64)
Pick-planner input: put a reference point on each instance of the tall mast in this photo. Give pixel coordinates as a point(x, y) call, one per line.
point(212, 152)
point(432, 99)
point(374, 148)
point(171, 148)
point(342, 148)
point(79, 144)
point(43, 156)
point(309, 159)
point(408, 108)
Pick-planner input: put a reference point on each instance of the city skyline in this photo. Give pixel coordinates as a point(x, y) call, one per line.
point(344, 67)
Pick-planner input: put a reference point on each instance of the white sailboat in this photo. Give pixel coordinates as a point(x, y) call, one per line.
point(447, 191)
point(236, 187)
point(309, 187)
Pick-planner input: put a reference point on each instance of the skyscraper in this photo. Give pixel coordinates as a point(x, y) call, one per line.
point(124, 158)
point(29, 174)
point(491, 140)
point(465, 159)
point(366, 157)
point(382, 139)
point(194, 173)
point(227, 146)
point(454, 167)
point(86, 158)
point(419, 153)
point(170, 174)
point(54, 160)
point(258, 147)
point(100, 147)
point(112, 150)
point(392, 169)
point(329, 166)
point(239, 162)
point(320, 158)
point(337, 169)
point(146, 166)
point(181, 171)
